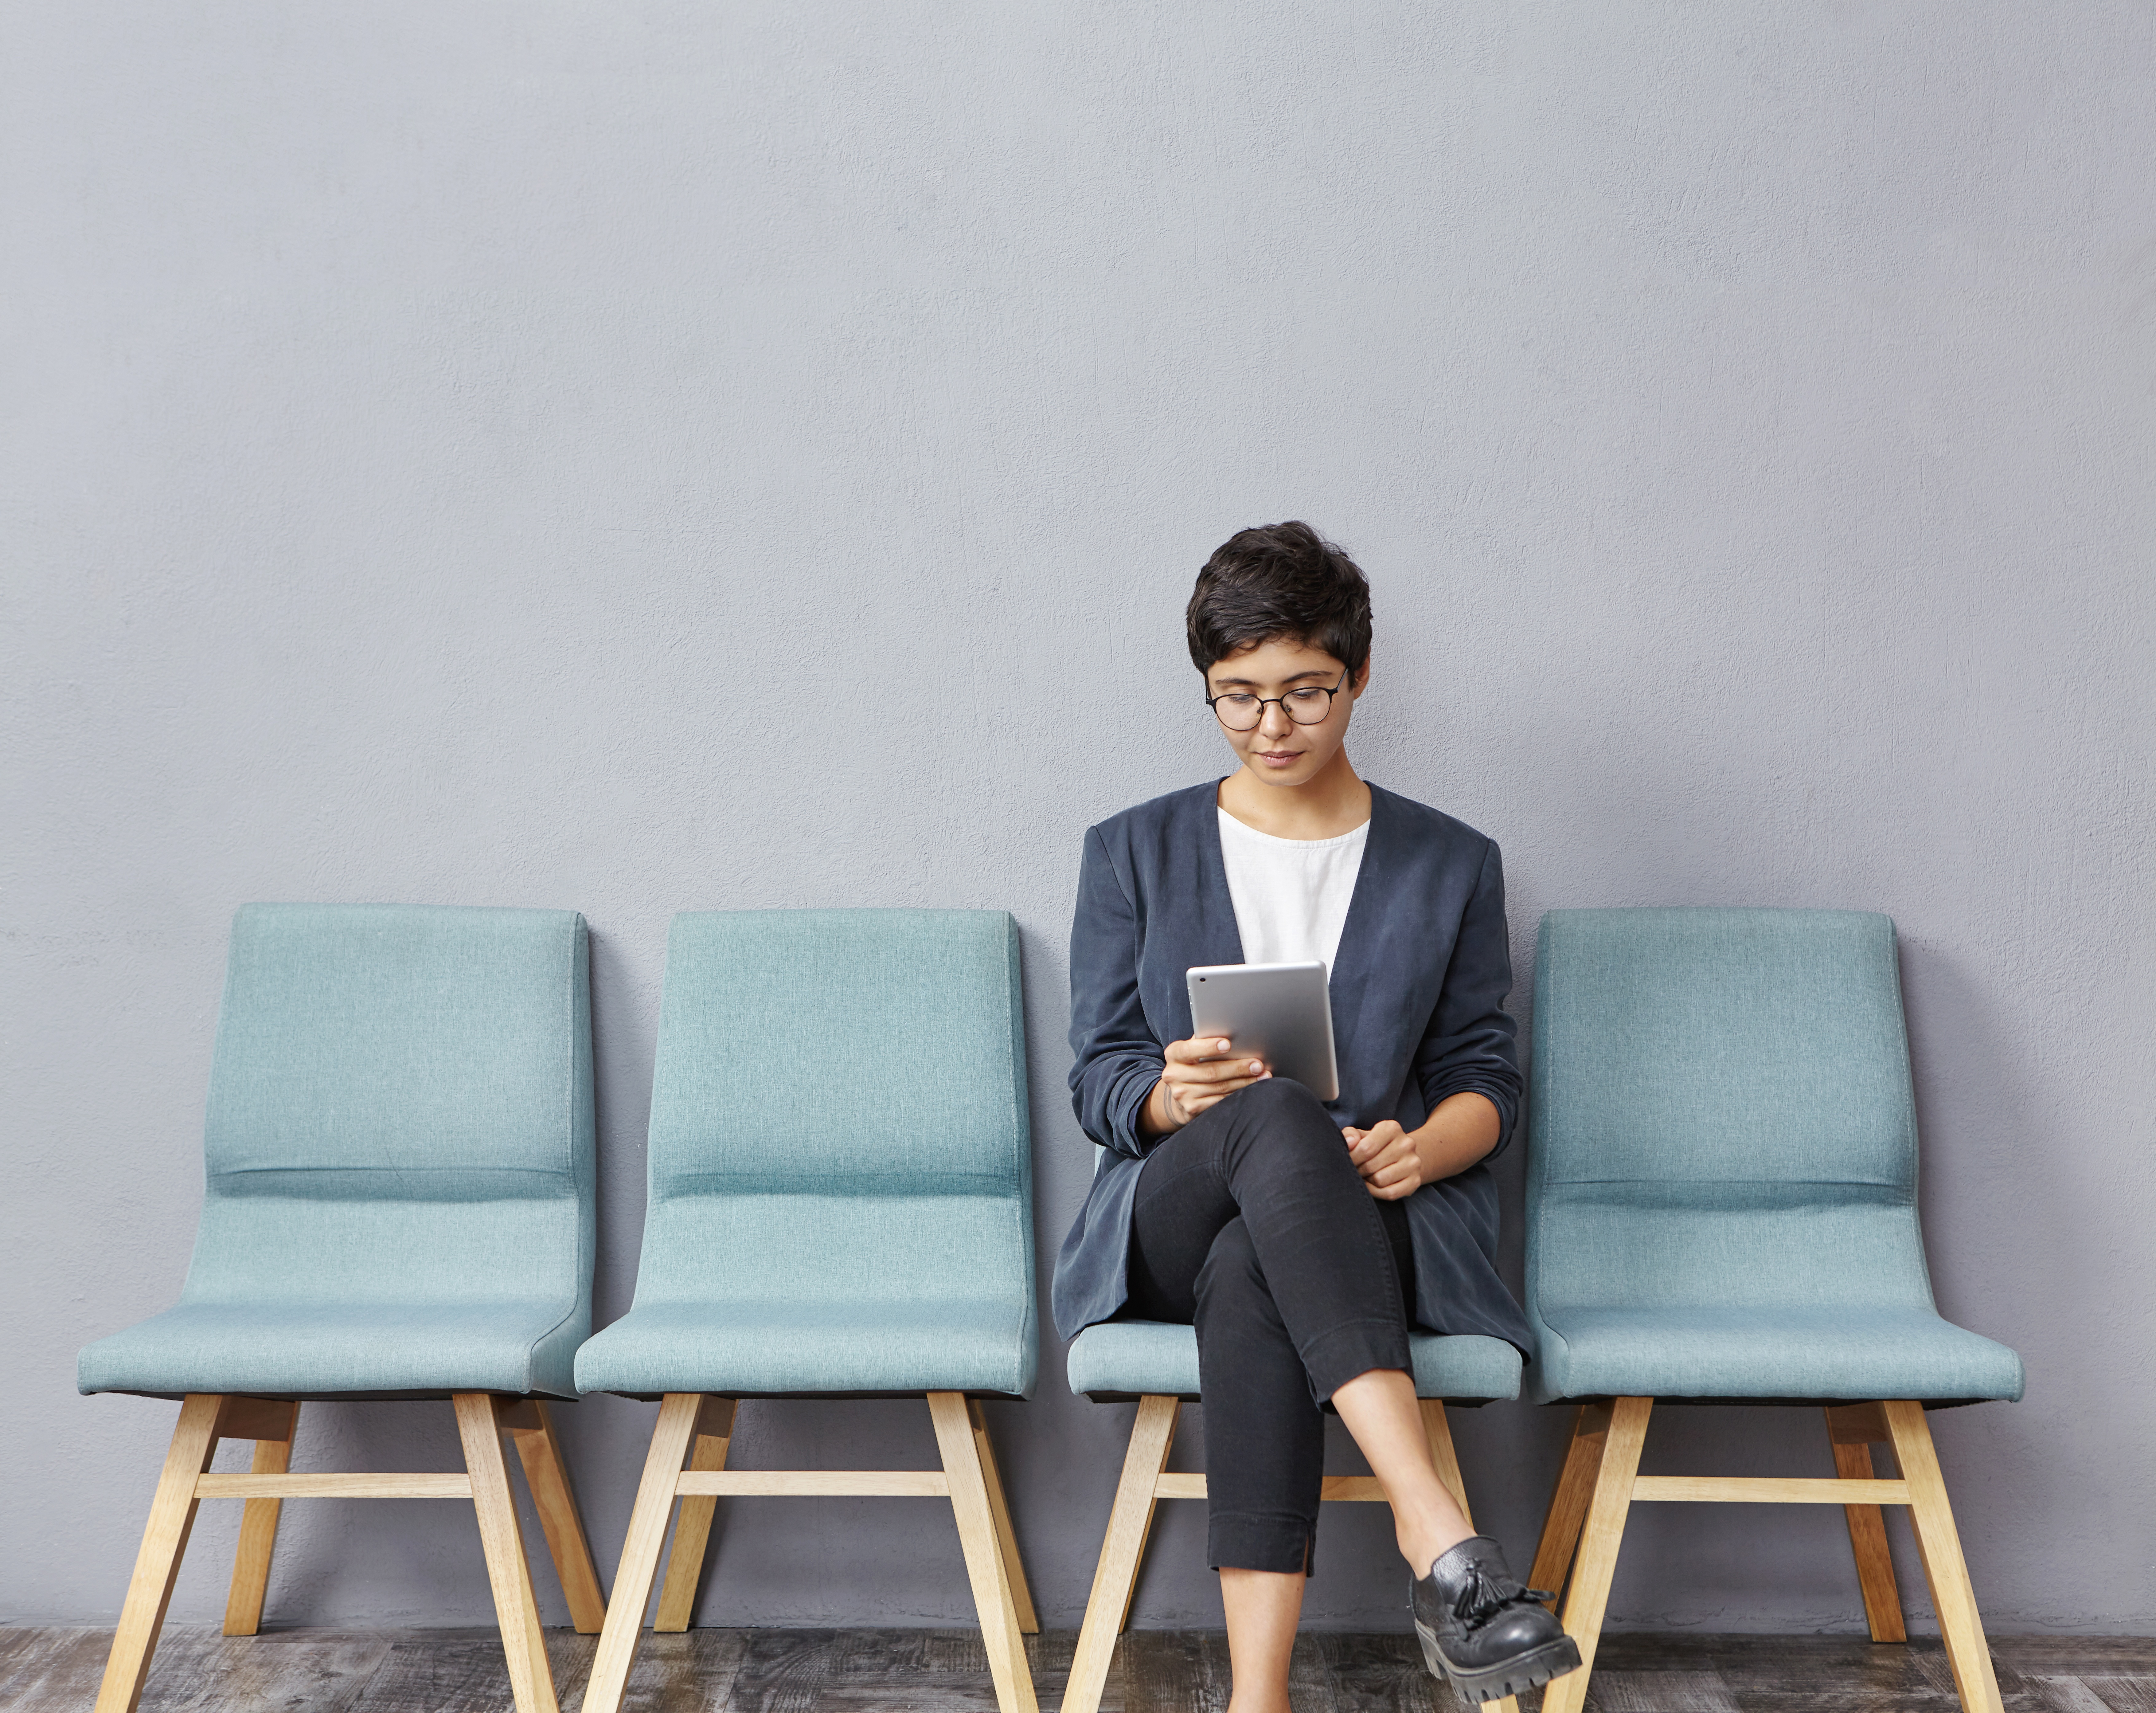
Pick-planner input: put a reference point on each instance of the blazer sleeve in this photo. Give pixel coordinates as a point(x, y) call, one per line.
point(1117, 1059)
point(1469, 1041)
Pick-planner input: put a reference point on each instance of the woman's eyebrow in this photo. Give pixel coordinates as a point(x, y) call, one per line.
point(1252, 683)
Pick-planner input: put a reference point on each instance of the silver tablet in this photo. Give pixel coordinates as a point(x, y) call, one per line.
point(1281, 1013)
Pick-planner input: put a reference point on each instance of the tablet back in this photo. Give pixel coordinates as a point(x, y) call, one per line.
point(1281, 1013)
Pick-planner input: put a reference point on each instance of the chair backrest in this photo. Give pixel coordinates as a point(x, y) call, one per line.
point(839, 1110)
point(1721, 1112)
point(400, 1109)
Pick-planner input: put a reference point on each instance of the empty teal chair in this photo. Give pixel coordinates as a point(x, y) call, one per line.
point(1722, 1207)
point(840, 1206)
point(397, 1204)
point(1156, 1363)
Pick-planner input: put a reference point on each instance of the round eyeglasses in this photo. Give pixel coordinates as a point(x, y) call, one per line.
point(1239, 710)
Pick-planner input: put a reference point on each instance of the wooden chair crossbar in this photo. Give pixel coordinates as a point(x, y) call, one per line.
point(1146, 1480)
point(1601, 1482)
point(206, 1418)
point(697, 1428)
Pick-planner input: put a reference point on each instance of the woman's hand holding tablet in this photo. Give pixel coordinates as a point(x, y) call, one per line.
point(1199, 1072)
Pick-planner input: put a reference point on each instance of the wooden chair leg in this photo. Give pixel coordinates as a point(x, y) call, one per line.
point(1567, 1505)
point(1438, 1431)
point(547, 1474)
point(1603, 1533)
point(692, 1527)
point(1123, 1550)
point(501, 1538)
point(1852, 1431)
point(639, 1551)
point(984, 1559)
point(258, 1534)
point(1006, 1537)
point(1961, 1626)
point(157, 1563)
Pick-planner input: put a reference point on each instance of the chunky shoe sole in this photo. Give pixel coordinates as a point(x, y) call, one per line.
point(1522, 1671)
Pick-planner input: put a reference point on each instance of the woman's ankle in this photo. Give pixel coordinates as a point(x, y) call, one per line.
point(1423, 1544)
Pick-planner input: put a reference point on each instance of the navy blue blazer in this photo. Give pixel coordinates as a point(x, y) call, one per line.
point(1418, 988)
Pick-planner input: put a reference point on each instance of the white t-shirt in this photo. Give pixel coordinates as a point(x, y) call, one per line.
point(1290, 895)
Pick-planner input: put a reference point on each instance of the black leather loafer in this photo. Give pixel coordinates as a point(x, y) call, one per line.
point(1483, 1632)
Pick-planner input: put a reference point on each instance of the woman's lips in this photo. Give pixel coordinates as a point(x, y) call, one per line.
point(1279, 757)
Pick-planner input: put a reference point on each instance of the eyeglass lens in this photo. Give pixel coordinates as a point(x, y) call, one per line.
point(1241, 713)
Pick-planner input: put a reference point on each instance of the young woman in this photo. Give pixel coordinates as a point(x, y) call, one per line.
point(1301, 1239)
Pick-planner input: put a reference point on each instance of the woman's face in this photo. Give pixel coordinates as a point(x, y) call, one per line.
point(1279, 750)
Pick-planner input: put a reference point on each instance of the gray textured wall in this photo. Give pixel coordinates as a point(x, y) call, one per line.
point(655, 456)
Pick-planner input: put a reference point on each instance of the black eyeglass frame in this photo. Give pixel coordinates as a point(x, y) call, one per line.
point(1330, 690)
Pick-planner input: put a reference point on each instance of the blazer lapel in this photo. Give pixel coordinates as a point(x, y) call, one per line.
point(1216, 927)
point(1190, 918)
point(1362, 935)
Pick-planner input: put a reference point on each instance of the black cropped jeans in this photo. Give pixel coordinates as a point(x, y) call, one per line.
point(1252, 1224)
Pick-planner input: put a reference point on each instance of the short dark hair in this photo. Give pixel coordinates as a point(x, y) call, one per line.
point(1284, 579)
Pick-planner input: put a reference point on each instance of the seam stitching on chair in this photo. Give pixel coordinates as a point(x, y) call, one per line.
point(1021, 1134)
point(569, 1072)
point(1831, 1183)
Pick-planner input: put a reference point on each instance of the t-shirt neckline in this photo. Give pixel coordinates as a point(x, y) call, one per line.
point(1352, 835)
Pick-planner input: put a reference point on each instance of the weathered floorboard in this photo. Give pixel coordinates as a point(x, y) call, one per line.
point(1614, 1691)
point(1173, 1671)
point(684, 1669)
point(2066, 1695)
point(2124, 1695)
point(1364, 1673)
point(53, 1667)
point(464, 1671)
point(208, 1672)
point(56, 1669)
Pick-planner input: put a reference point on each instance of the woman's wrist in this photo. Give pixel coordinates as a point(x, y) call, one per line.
point(1462, 1131)
point(1156, 1116)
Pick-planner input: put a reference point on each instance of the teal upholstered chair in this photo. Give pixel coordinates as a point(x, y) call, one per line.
point(1156, 1364)
point(399, 1204)
point(1721, 1207)
point(840, 1206)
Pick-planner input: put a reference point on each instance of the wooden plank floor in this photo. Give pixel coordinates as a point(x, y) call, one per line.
point(52, 1669)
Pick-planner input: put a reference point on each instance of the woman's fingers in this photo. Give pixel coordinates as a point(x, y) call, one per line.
point(1197, 1097)
point(1385, 1155)
point(1202, 1072)
point(1209, 1058)
point(1394, 1177)
point(1381, 1141)
point(1217, 1073)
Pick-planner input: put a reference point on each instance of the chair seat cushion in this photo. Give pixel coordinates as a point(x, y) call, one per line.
point(1123, 1358)
point(330, 1349)
point(1834, 1352)
point(747, 1349)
